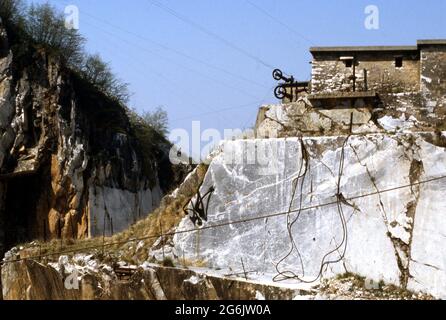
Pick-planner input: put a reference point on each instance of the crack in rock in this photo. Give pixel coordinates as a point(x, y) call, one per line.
point(402, 248)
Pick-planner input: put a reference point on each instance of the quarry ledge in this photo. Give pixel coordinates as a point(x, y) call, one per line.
point(32, 280)
point(36, 281)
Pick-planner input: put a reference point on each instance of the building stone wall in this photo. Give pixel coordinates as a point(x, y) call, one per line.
point(433, 82)
point(433, 70)
point(330, 74)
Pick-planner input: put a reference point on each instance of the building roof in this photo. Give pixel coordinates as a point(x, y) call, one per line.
point(363, 49)
point(349, 49)
point(431, 42)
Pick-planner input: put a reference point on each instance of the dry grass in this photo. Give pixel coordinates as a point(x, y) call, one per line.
point(123, 246)
point(198, 263)
point(353, 286)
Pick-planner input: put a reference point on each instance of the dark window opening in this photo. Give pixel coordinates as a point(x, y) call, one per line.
point(348, 63)
point(398, 62)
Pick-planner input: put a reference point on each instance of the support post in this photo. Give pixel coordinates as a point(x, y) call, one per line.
point(244, 270)
point(162, 240)
point(59, 223)
point(354, 74)
point(351, 123)
point(366, 86)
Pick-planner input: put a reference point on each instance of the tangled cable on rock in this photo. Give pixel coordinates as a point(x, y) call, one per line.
point(340, 201)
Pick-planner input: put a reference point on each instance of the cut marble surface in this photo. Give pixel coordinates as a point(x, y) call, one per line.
point(386, 230)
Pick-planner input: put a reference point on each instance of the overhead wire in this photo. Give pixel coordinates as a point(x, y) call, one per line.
point(211, 226)
point(213, 111)
point(279, 21)
point(211, 33)
point(226, 108)
point(168, 82)
point(165, 47)
point(217, 81)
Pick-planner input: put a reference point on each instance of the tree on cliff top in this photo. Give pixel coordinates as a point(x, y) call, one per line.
point(43, 26)
point(10, 10)
point(99, 73)
point(158, 120)
point(47, 28)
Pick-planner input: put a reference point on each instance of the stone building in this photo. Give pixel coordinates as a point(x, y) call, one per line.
point(381, 69)
point(366, 89)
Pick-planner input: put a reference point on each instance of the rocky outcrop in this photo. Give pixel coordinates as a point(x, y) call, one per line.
point(301, 118)
point(70, 165)
point(30, 280)
point(395, 112)
point(286, 207)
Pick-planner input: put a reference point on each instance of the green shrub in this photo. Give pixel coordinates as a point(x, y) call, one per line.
point(158, 120)
point(99, 73)
point(11, 11)
point(46, 27)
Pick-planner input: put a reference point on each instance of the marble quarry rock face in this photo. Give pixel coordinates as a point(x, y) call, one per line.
point(70, 163)
point(298, 206)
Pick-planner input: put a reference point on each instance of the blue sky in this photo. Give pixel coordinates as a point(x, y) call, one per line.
point(197, 76)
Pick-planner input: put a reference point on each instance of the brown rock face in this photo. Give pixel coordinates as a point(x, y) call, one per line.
point(30, 280)
point(70, 162)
